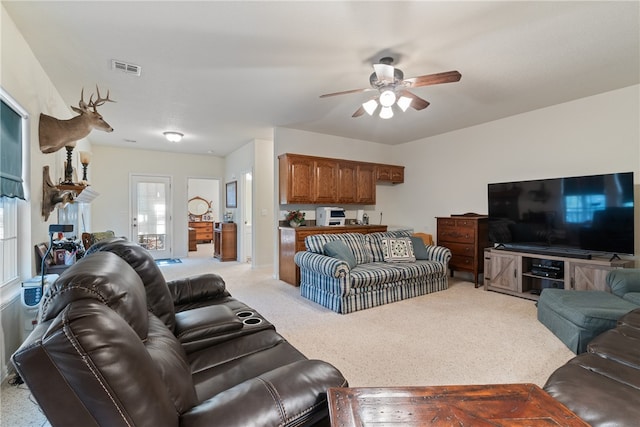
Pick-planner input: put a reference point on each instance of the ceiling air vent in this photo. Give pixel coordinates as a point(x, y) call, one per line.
point(125, 67)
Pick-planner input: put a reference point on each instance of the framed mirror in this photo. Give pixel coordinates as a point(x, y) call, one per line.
point(197, 206)
point(232, 188)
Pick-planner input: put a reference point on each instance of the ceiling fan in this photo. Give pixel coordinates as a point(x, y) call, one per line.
point(393, 88)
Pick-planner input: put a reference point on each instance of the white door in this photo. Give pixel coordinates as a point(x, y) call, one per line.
point(247, 209)
point(151, 214)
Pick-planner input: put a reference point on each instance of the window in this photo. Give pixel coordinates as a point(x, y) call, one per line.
point(8, 240)
point(13, 145)
point(581, 208)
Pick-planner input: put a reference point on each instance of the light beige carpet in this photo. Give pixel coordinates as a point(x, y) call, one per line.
point(462, 335)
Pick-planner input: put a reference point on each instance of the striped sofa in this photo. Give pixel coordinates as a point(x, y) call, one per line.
point(331, 283)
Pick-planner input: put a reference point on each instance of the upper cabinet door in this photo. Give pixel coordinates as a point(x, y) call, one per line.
point(326, 181)
point(390, 173)
point(366, 184)
point(297, 177)
point(347, 182)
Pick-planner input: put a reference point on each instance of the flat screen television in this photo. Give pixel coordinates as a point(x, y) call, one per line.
point(572, 215)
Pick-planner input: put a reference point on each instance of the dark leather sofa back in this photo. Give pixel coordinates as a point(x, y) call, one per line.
point(107, 360)
point(159, 298)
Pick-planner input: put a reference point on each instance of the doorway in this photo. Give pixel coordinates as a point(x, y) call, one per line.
point(150, 214)
point(209, 190)
point(246, 239)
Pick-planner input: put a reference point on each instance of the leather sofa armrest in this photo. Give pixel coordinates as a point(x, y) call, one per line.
point(293, 394)
point(197, 288)
point(198, 326)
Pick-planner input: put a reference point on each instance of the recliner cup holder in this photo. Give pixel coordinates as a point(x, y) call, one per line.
point(248, 318)
point(243, 314)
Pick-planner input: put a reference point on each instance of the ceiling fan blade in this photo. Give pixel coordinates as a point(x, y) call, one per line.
point(344, 92)
point(384, 72)
point(416, 102)
point(359, 112)
point(434, 79)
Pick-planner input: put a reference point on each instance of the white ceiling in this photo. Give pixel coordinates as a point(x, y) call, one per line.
point(225, 73)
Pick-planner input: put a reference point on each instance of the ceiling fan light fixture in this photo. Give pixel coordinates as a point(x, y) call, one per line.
point(404, 102)
point(386, 113)
point(387, 98)
point(173, 136)
point(370, 106)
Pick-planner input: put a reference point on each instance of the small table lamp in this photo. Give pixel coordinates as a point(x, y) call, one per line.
point(85, 159)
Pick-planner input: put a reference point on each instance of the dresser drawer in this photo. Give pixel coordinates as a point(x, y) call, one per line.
point(446, 235)
point(461, 249)
point(466, 223)
point(461, 261)
point(456, 222)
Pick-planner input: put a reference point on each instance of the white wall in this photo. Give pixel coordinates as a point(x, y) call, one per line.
point(110, 173)
point(264, 216)
point(23, 78)
point(237, 163)
point(448, 174)
point(255, 157)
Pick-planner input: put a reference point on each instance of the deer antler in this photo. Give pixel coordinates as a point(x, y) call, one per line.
point(98, 102)
point(82, 104)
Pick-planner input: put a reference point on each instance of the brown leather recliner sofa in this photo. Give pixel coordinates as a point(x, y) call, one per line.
point(602, 385)
point(118, 346)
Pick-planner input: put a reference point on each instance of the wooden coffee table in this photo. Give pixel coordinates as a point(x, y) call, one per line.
point(468, 405)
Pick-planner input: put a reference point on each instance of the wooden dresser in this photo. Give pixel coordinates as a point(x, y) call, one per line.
point(466, 236)
point(192, 240)
point(292, 241)
point(204, 230)
point(224, 241)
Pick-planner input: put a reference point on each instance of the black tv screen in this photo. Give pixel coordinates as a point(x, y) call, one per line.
point(585, 213)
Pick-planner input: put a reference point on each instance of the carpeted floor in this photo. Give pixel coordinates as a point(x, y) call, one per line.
point(462, 335)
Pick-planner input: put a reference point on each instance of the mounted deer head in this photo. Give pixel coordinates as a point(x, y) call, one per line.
point(52, 196)
point(55, 134)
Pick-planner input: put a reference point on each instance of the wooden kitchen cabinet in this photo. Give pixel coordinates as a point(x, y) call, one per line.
point(347, 182)
point(390, 173)
point(356, 183)
point(325, 183)
point(297, 176)
point(321, 180)
point(366, 184)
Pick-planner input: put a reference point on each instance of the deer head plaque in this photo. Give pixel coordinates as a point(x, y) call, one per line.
point(55, 134)
point(52, 196)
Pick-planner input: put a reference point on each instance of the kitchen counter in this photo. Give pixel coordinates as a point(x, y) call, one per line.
point(291, 240)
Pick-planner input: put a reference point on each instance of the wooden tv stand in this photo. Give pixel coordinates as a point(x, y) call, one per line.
point(525, 274)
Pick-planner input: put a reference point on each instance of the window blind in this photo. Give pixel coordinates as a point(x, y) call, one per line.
point(11, 183)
